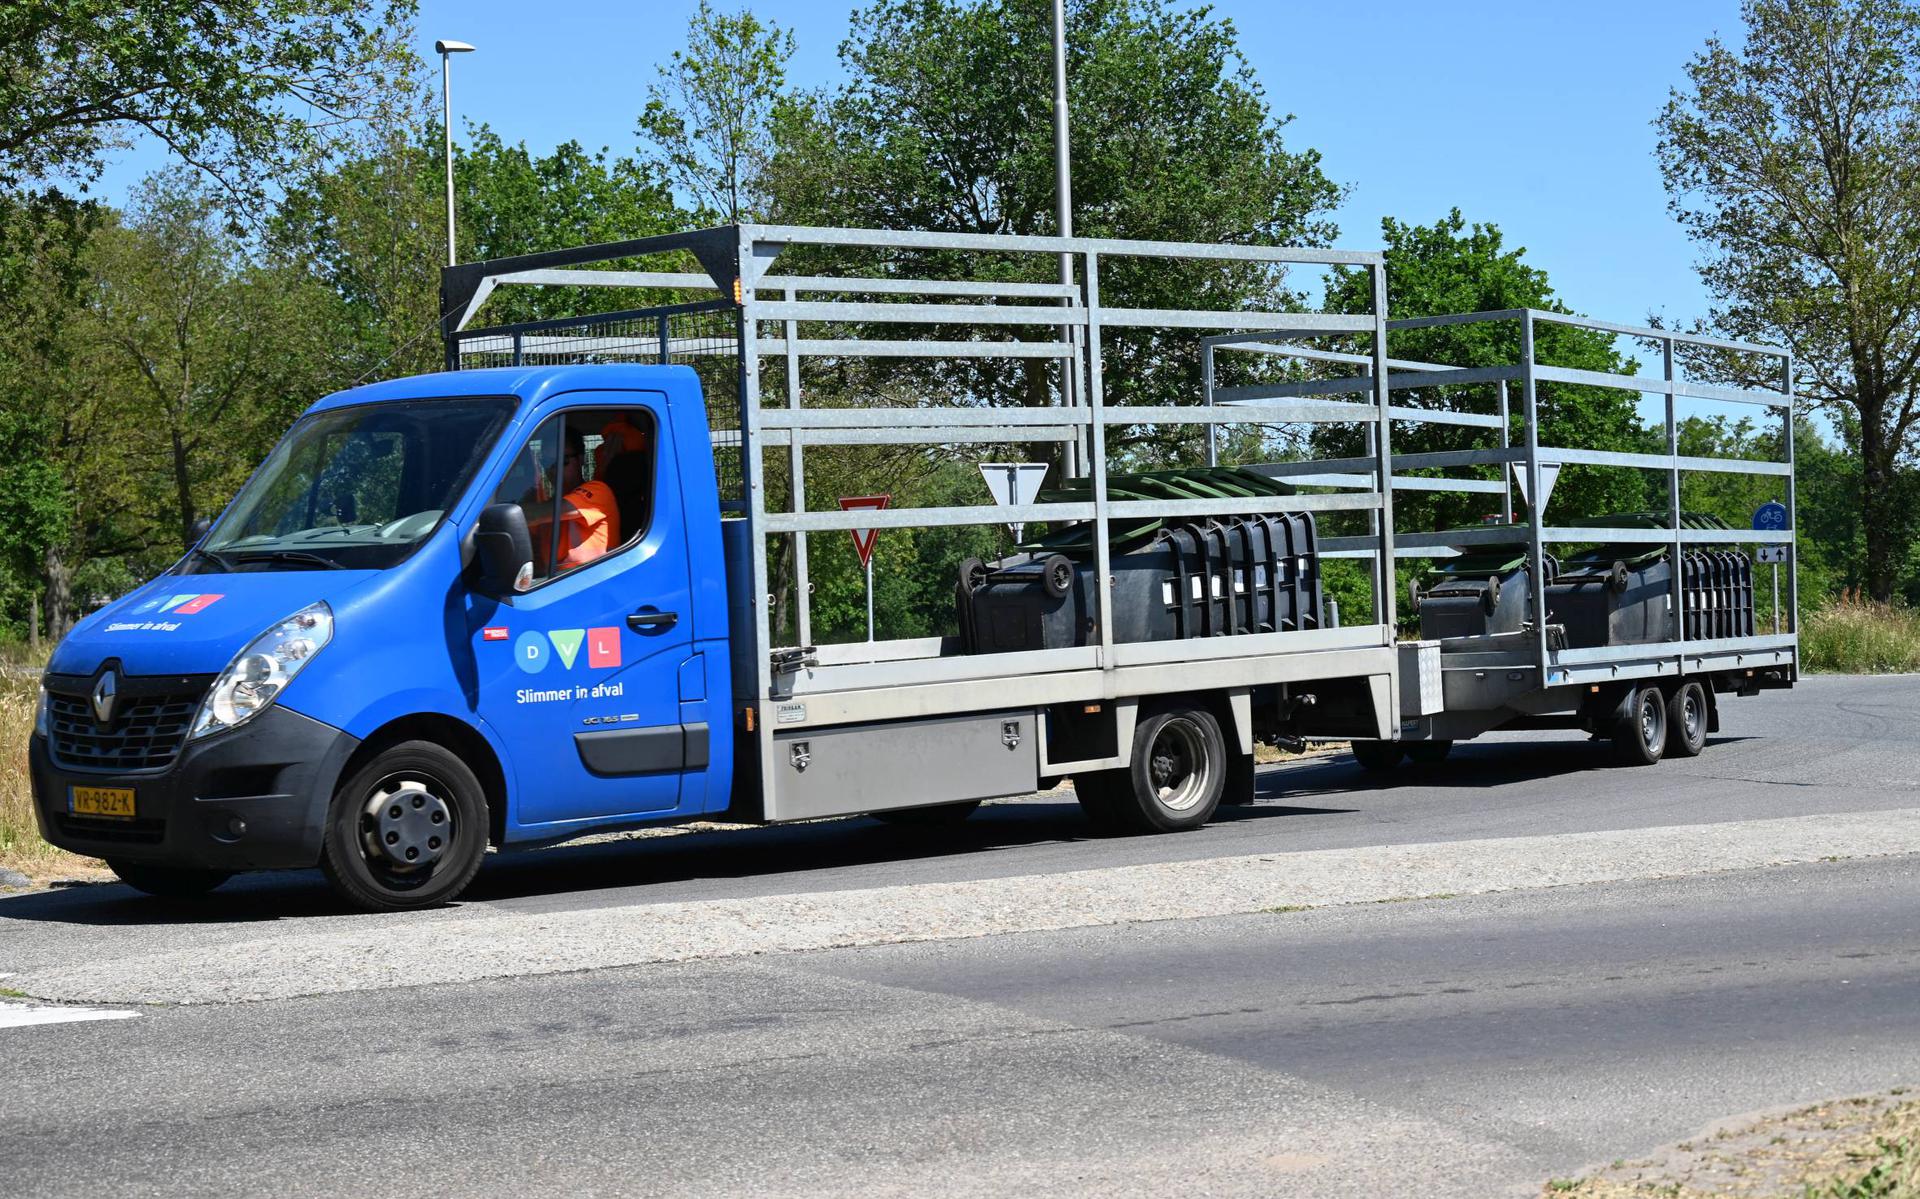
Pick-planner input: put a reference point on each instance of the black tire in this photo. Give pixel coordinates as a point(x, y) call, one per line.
point(1618, 578)
point(937, 816)
point(167, 882)
point(1427, 753)
point(1239, 789)
point(1640, 735)
point(1378, 757)
point(1056, 575)
point(380, 862)
point(1687, 715)
point(1178, 773)
point(1490, 598)
point(973, 573)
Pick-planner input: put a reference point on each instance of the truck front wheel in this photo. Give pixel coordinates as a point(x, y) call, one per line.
point(407, 830)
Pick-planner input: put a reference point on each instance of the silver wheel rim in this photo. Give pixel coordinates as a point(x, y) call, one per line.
point(1649, 719)
point(406, 825)
point(1690, 716)
point(1179, 768)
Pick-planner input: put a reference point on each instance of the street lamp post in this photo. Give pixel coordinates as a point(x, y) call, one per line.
point(446, 50)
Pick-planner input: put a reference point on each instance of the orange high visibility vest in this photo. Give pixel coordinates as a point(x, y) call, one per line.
point(591, 526)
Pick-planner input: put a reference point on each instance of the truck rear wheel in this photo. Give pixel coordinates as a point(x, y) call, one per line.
point(1178, 774)
point(166, 882)
point(1687, 721)
point(1640, 733)
point(408, 830)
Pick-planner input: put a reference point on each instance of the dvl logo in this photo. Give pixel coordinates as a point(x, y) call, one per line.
point(533, 650)
point(180, 605)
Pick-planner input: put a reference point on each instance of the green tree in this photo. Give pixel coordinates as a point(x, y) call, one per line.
point(1789, 160)
point(710, 118)
point(242, 91)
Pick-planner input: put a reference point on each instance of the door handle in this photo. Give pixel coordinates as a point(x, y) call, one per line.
point(640, 622)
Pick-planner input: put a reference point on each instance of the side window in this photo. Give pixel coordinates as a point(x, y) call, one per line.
point(589, 475)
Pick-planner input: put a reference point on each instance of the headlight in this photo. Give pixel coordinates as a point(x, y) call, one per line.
point(261, 671)
point(42, 714)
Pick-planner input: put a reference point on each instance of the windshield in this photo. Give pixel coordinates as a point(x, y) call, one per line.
point(355, 487)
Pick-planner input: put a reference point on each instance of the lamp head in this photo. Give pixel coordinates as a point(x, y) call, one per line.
point(445, 46)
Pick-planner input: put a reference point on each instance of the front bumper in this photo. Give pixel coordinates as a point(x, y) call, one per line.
point(252, 798)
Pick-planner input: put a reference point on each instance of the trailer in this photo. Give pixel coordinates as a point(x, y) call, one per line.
point(819, 719)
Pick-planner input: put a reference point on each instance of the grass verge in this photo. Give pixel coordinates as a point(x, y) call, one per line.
point(1862, 1148)
point(21, 848)
point(1861, 637)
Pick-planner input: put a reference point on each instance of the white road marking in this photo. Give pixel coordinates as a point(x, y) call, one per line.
point(20, 1015)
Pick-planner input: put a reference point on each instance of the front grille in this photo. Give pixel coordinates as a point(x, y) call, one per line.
point(119, 832)
point(151, 719)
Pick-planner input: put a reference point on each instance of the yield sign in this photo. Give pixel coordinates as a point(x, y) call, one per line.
point(1549, 475)
point(863, 538)
point(1014, 485)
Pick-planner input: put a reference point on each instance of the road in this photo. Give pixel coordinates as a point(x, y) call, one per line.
point(1459, 1046)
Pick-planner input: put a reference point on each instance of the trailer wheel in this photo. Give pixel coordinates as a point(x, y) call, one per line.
point(1687, 721)
point(1640, 734)
point(1056, 575)
point(1378, 757)
point(1427, 753)
point(1178, 774)
point(408, 830)
point(166, 882)
point(938, 815)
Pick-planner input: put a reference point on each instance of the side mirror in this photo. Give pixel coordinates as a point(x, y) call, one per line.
point(505, 550)
point(197, 531)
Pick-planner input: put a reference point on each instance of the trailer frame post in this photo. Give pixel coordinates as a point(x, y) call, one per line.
point(1536, 510)
point(1506, 443)
point(1206, 385)
point(1793, 512)
point(1676, 581)
point(1096, 407)
point(802, 587)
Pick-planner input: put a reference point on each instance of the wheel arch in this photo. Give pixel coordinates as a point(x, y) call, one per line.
point(454, 735)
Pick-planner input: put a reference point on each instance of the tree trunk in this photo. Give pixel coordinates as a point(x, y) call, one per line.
point(59, 593)
point(183, 489)
point(1877, 513)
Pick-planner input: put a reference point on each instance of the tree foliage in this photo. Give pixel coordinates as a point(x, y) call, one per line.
point(241, 90)
point(1789, 160)
point(709, 119)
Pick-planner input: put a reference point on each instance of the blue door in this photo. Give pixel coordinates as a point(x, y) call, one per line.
point(581, 673)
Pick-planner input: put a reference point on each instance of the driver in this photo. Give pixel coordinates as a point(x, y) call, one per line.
point(589, 513)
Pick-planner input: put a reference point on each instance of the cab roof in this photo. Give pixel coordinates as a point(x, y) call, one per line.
point(528, 383)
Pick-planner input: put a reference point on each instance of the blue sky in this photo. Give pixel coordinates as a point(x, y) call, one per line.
point(1534, 116)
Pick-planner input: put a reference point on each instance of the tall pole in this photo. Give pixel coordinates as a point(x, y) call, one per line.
point(446, 129)
point(1063, 216)
point(1062, 173)
point(446, 49)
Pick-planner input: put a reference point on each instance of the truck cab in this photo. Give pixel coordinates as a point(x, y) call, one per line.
point(471, 608)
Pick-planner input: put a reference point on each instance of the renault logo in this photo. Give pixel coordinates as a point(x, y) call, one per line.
point(103, 693)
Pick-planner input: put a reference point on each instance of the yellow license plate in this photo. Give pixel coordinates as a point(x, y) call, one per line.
point(101, 801)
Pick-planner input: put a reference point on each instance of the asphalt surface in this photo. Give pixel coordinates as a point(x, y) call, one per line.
point(1466, 1046)
point(1442, 1047)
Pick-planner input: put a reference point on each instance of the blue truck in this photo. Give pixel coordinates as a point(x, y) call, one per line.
point(561, 587)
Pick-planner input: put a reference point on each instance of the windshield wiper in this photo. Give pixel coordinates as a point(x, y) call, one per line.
point(219, 562)
point(300, 556)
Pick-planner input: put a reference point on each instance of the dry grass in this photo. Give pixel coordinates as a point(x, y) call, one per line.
point(1863, 1148)
point(1861, 637)
point(21, 848)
